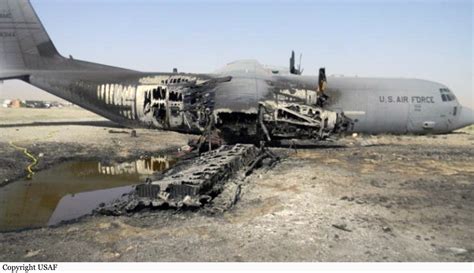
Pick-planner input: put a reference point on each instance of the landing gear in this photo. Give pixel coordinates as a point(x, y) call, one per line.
point(210, 138)
point(285, 120)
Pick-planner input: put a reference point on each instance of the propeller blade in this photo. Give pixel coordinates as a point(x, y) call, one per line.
point(322, 82)
point(292, 62)
point(300, 71)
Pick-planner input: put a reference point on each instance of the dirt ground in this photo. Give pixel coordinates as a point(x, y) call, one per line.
point(61, 134)
point(376, 198)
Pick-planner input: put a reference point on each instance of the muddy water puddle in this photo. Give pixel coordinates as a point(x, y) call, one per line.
point(70, 190)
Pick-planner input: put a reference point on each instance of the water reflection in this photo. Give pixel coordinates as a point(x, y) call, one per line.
point(141, 167)
point(70, 190)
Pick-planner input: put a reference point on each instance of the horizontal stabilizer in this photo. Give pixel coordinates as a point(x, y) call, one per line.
point(13, 76)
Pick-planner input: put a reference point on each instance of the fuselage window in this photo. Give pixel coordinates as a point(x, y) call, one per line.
point(455, 111)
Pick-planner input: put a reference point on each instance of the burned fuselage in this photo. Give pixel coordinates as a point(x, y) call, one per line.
point(244, 102)
point(257, 104)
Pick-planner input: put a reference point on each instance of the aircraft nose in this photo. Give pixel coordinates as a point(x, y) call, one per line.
point(466, 118)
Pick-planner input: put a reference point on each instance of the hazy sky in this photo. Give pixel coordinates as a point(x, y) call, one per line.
point(413, 39)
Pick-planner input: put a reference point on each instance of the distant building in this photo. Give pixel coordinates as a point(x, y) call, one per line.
point(36, 104)
point(15, 104)
point(6, 103)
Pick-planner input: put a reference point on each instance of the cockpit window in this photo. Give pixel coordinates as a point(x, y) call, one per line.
point(446, 94)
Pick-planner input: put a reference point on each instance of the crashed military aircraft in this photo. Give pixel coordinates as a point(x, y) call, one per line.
point(245, 101)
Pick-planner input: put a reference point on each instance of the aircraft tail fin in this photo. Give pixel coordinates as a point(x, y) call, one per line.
point(24, 42)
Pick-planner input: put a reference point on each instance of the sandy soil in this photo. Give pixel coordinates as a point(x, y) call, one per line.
point(383, 198)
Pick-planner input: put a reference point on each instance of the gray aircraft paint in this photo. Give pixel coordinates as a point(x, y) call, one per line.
point(135, 98)
point(396, 105)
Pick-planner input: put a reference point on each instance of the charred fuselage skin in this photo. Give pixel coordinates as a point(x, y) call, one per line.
point(240, 101)
point(132, 99)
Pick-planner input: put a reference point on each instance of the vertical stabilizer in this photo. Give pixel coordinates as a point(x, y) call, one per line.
point(24, 43)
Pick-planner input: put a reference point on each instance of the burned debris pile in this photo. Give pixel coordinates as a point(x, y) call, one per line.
point(211, 180)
